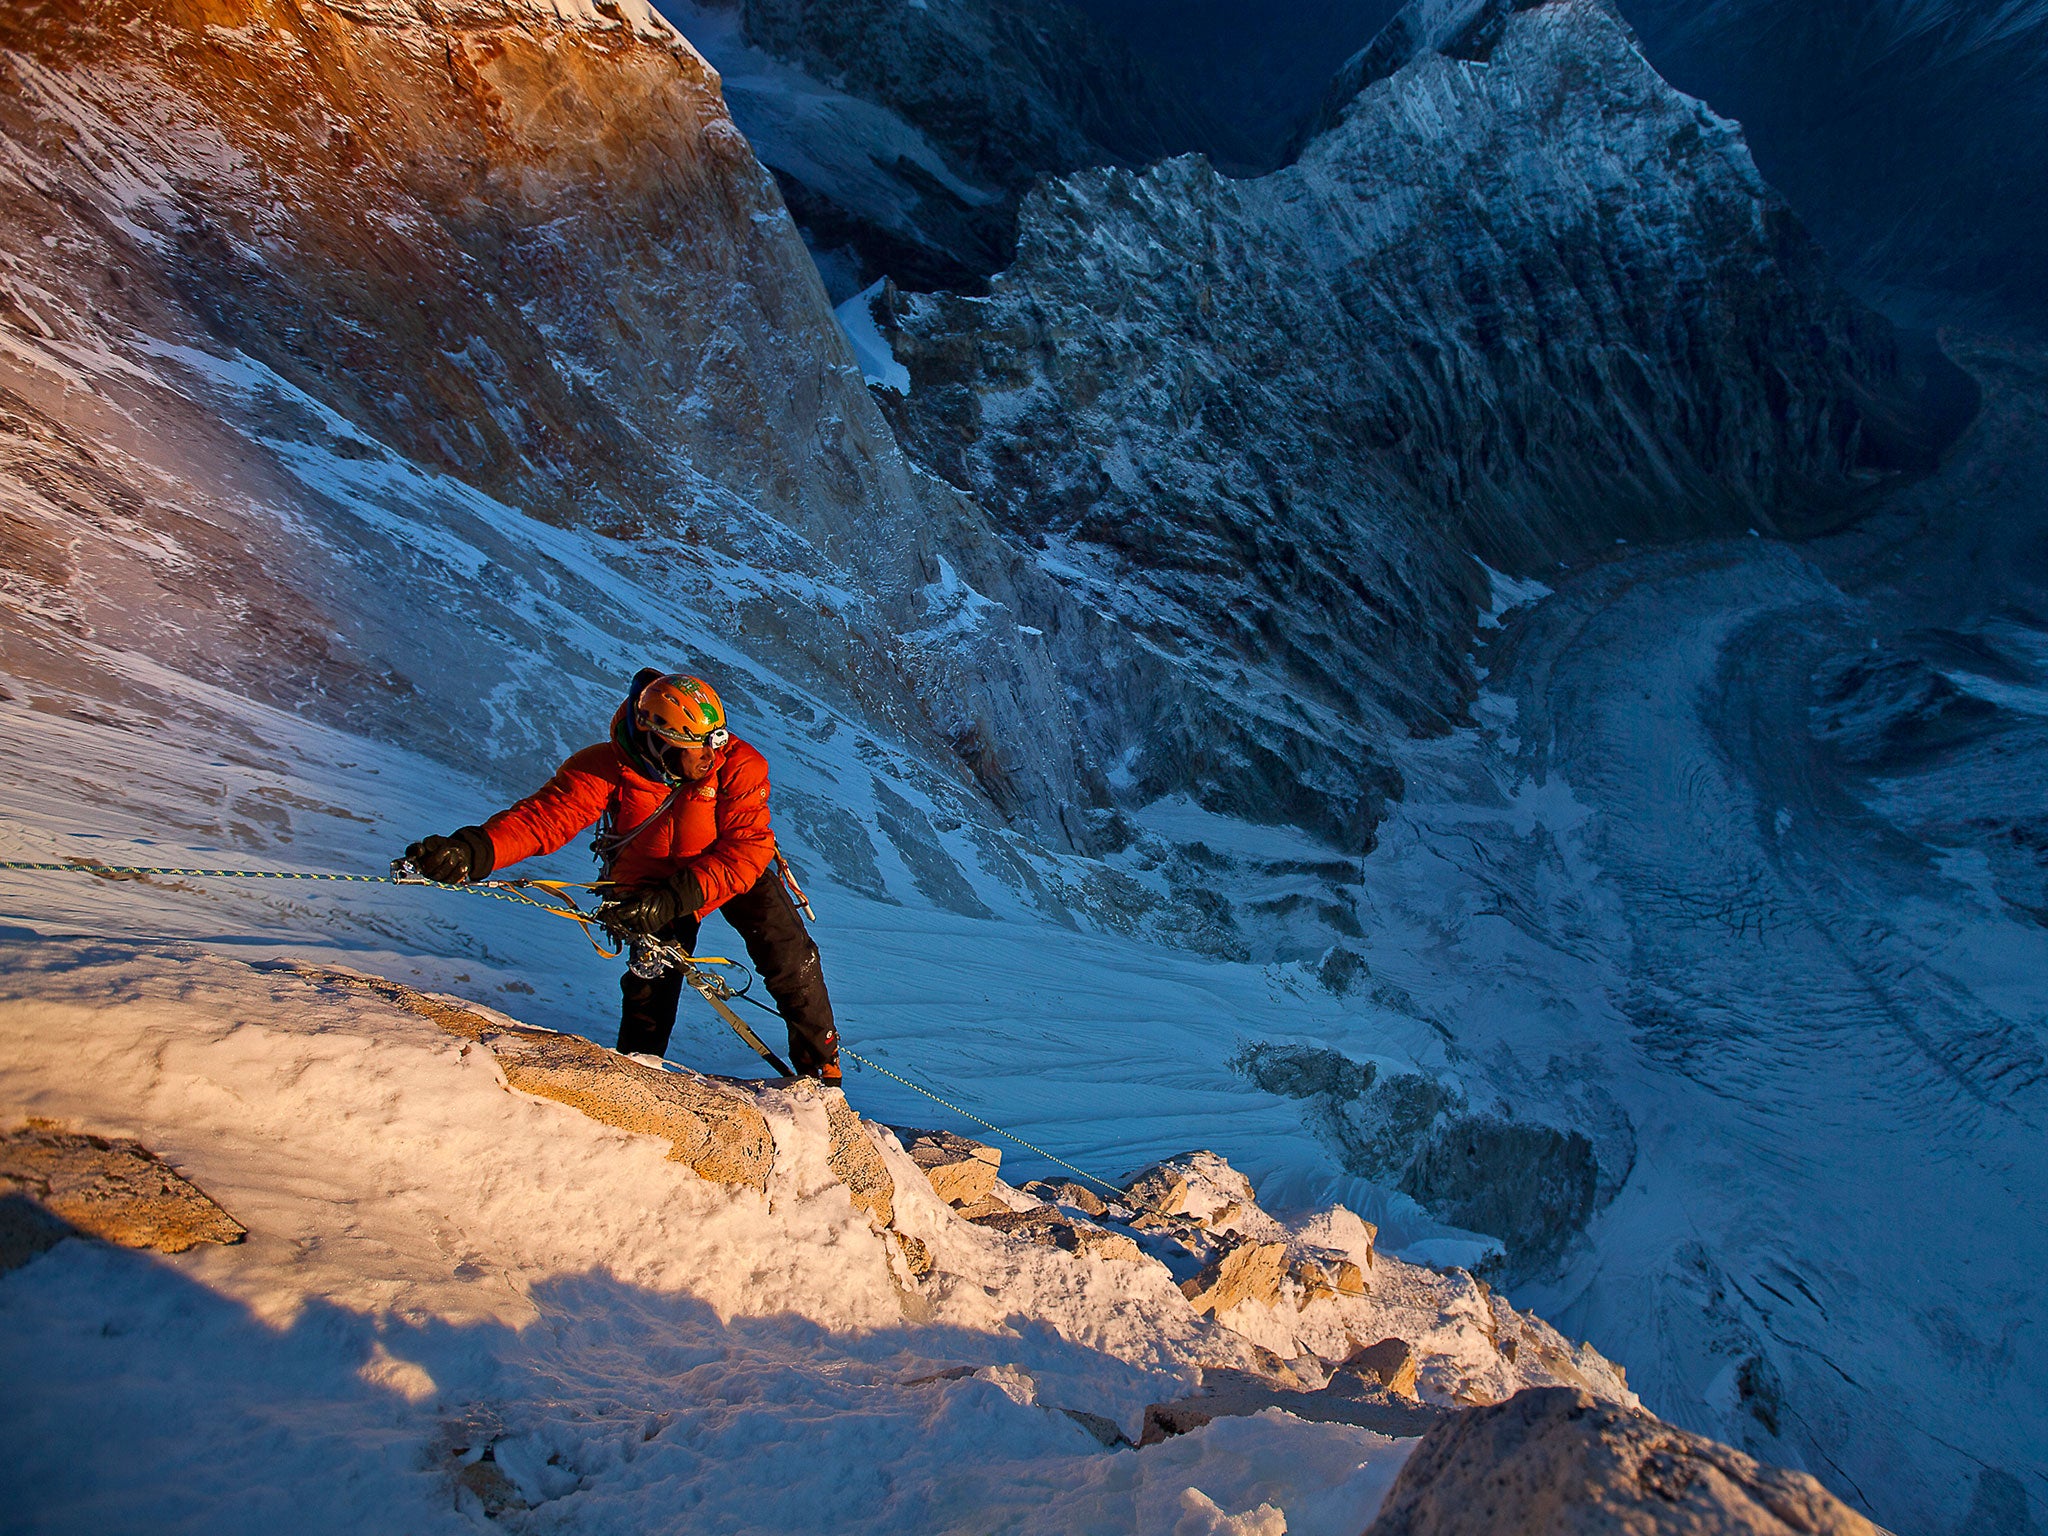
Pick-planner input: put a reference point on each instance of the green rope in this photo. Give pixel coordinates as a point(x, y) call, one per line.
point(79, 867)
point(987, 1125)
point(106, 871)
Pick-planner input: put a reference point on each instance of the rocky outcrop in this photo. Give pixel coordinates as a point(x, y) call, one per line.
point(1554, 1462)
point(1208, 1210)
point(1067, 1192)
point(1199, 1186)
point(962, 1172)
point(1250, 1272)
point(854, 1157)
point(1054, 1229)
point(56, 1184)
point(715, 1131)
point(1391, 1363)
point(1517, 307)
point(1294, 1304)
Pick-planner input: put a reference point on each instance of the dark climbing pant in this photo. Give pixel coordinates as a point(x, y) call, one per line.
point(782, 953)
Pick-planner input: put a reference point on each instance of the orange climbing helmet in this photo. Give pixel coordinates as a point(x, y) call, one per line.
point(681, 710)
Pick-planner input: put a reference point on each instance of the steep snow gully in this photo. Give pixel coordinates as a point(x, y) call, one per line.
point(1659, 940)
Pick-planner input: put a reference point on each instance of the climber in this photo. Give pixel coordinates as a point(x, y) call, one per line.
point(681, 806)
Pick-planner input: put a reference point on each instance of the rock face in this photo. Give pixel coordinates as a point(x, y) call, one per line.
point(1515, 304)
point(484, 311)
point(55, 1183)
point(1553, 1462)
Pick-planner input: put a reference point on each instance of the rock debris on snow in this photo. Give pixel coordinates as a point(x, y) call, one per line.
point(1347, 1398)
point(1054, 1229)
point(1391, 1363)
point(1067, 1192)
point(56, 1184)
point(962, 1172)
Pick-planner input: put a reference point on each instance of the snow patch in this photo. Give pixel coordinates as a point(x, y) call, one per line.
point(878, 365)
point(1509, 593)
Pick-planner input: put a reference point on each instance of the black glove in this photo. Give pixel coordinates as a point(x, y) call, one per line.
point(457, 859)
point(651, 908)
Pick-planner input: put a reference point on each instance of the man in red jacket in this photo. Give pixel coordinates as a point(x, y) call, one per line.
point(681, 806)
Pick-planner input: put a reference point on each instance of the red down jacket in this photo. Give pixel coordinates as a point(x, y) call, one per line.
point(718, 829)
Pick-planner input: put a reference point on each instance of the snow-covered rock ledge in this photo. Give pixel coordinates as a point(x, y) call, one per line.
point(489, 1267)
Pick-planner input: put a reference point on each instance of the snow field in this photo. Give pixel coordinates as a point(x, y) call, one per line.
point(434, 1260)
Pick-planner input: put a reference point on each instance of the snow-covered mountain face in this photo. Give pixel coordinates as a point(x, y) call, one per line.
point(903, 134)
point(1510, 309)
point(319, 299)
point(1908, 133)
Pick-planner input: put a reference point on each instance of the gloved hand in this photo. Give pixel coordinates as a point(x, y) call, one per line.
point(651, 908)
point(456, 859)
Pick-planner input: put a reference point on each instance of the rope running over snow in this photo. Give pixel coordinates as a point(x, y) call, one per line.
point(987, 1125)
point(498, 890)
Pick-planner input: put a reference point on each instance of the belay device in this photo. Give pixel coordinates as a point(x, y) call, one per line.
point(650, 958)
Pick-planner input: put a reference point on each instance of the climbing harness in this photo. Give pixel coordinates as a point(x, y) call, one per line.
point(654, 957)
point(610, 842)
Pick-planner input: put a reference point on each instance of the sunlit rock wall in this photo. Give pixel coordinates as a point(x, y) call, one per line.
point(252, 249)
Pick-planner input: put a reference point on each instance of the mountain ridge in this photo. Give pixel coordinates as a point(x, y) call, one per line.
point(1625, 336)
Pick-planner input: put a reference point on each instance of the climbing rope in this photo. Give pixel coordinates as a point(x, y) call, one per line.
point(713, 990)
point(965, 1114)
point(1122, 1195)
point(499, 890)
